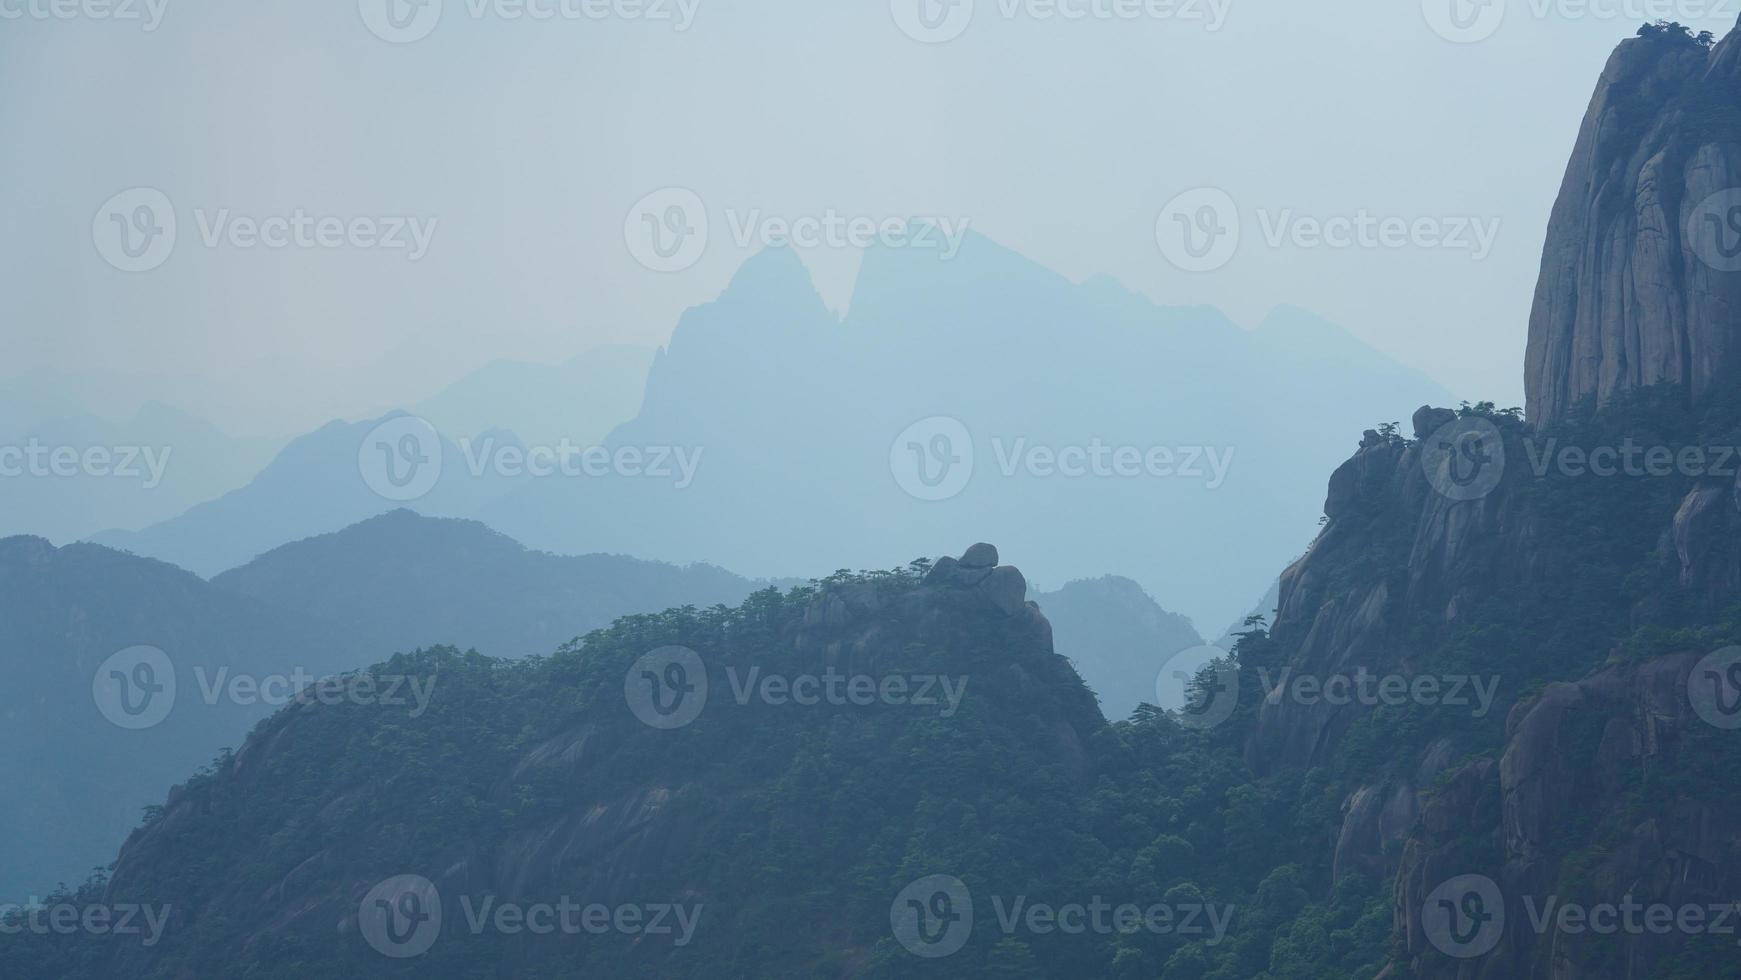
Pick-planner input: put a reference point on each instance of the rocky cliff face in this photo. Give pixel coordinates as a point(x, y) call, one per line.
point(1596, 778)
point(1444, 554)
point(1593, 605)
point(1596, 603)
point(1575, 758)
point(1641, 274)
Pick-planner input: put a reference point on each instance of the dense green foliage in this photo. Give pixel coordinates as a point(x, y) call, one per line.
point(797, 828)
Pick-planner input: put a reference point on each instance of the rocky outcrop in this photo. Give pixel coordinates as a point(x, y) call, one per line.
point(1705, 540)
point(1377, 820)
point(601, 803)
point(978, 569)
point(1641, 273)
point(1415, 544)
point(1571, 754)
point(1456, 551)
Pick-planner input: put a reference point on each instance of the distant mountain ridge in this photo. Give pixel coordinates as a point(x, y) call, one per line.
point(129, 473)
point(581, 399)
point(536, 781)
point(76, 780)
point(316, 484)
point(1118, 639)
point(798, 411)
point(789, 414)
point(401, 581)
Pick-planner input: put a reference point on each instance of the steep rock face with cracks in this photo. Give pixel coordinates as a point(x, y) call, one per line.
point(1641, 274)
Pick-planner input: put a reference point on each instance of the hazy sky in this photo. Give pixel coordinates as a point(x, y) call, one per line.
point(519, 146)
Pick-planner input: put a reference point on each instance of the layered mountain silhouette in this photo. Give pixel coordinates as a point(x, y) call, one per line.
point(581, 399)
point(76, 779)
point(1569, 642)
point(767, 406)
point(319, 483)
point(338, 602)
point(531, 783)
point(400, 582)
point(83, 474)
point(1117, 637)
point(319, 607)
point(806, 426)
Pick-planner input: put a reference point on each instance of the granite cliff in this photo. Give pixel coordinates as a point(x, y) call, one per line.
point(1638, 277)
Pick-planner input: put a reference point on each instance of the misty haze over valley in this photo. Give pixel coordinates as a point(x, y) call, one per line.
point(1181, 489)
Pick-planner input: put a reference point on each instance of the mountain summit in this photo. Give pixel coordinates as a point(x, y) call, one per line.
point(1641, 274)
